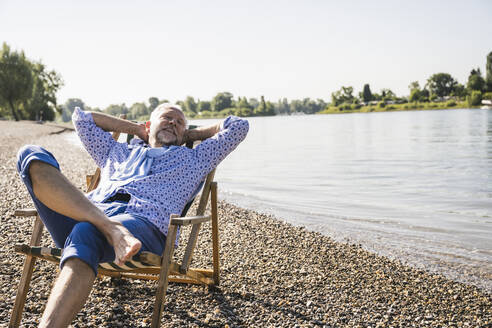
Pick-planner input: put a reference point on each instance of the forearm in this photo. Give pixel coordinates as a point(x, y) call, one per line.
point(202, 133)
point(113, 124)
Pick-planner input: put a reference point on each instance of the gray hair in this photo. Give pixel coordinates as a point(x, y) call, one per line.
point(168, 106)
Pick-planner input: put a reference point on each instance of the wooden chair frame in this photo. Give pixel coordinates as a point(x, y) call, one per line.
point(161, 268)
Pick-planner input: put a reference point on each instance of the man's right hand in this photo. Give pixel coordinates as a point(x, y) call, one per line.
point(201, 133)
point(142, 133)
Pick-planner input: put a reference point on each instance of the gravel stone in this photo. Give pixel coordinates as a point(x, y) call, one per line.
point(272, 274)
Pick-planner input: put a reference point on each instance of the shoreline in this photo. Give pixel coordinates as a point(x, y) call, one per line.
point(394, 108)
point(456, 267)
point(272, 273)
point(330, 110)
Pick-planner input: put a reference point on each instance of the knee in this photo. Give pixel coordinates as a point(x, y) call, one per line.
point(85, 242)
point(84, 229)
point(35, 169)
point(23, 153)
point(77, 265)
point(85, 233)
point(33, 155)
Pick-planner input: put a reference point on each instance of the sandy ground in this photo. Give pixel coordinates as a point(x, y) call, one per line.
point(272, 274)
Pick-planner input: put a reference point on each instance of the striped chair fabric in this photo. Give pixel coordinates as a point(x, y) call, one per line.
point(144, 260)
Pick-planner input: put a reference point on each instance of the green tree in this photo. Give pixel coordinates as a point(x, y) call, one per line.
point(488, 72)
point(203, 106)
point(254, 102)
point(414, 85)
point(244, 112)
point(296, 106)
point(153, 103)
point(459, 90)
point(475, 81)
point(415, 91)
point(265, 108)
point(206, 114)
point(16, 79)
point(309, 106)
point(189, 105)
point(69, 106)
point(116, 110)
point(227, 112)
point(475, 98)
point(284, 107)
point(348, 94)
point(222, 101)
point(487, 95)
point(138, 111)
point(387, 94)
point(376, 96)
point(414, 95)
point(441, 84)
point(424, 95)
point(366, 93)
point(320, 105)
point(279, 108)
point(344, 95)
point(42, 104)
point(243, 103)
point(417, 94)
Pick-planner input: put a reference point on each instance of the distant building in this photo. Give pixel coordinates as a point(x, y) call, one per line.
point(486, 104)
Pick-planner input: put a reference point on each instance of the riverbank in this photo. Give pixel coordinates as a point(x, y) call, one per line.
point(383, 107)
point(341, 109)
point(272, 274)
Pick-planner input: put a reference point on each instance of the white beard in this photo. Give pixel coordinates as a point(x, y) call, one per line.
point(166, 138)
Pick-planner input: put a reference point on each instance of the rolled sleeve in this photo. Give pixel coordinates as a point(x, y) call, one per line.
point(212, 151)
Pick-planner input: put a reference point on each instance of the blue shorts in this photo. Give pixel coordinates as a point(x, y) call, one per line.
point(82, 239)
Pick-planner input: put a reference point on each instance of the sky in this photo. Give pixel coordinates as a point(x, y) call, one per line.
point(113, 52)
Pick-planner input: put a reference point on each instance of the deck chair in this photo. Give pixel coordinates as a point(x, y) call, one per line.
point(145, 265)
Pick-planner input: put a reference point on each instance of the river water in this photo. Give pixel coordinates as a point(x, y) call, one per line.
point(415, 186)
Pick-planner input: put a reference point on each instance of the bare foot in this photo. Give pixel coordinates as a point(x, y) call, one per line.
point(124, 244)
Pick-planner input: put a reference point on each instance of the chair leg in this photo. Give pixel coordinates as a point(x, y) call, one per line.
point(190, 247)
point(215, 233)
point(164, 275)
point(25, 280)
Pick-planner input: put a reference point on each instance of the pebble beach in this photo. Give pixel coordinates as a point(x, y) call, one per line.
point(272, 274)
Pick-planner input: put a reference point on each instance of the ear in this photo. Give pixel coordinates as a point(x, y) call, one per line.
point(147, 126)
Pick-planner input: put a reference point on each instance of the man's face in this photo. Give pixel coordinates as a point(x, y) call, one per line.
point(167, 127)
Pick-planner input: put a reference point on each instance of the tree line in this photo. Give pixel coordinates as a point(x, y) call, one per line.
point(223, 104)
point(438, 87)
point(28, 91)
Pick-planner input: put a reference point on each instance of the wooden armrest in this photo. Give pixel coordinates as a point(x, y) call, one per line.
point(26, 212)
point(190, 220)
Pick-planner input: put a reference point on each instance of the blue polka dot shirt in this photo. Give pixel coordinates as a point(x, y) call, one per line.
point(173, 176)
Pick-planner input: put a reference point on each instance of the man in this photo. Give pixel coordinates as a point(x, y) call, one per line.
point(141, 186)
